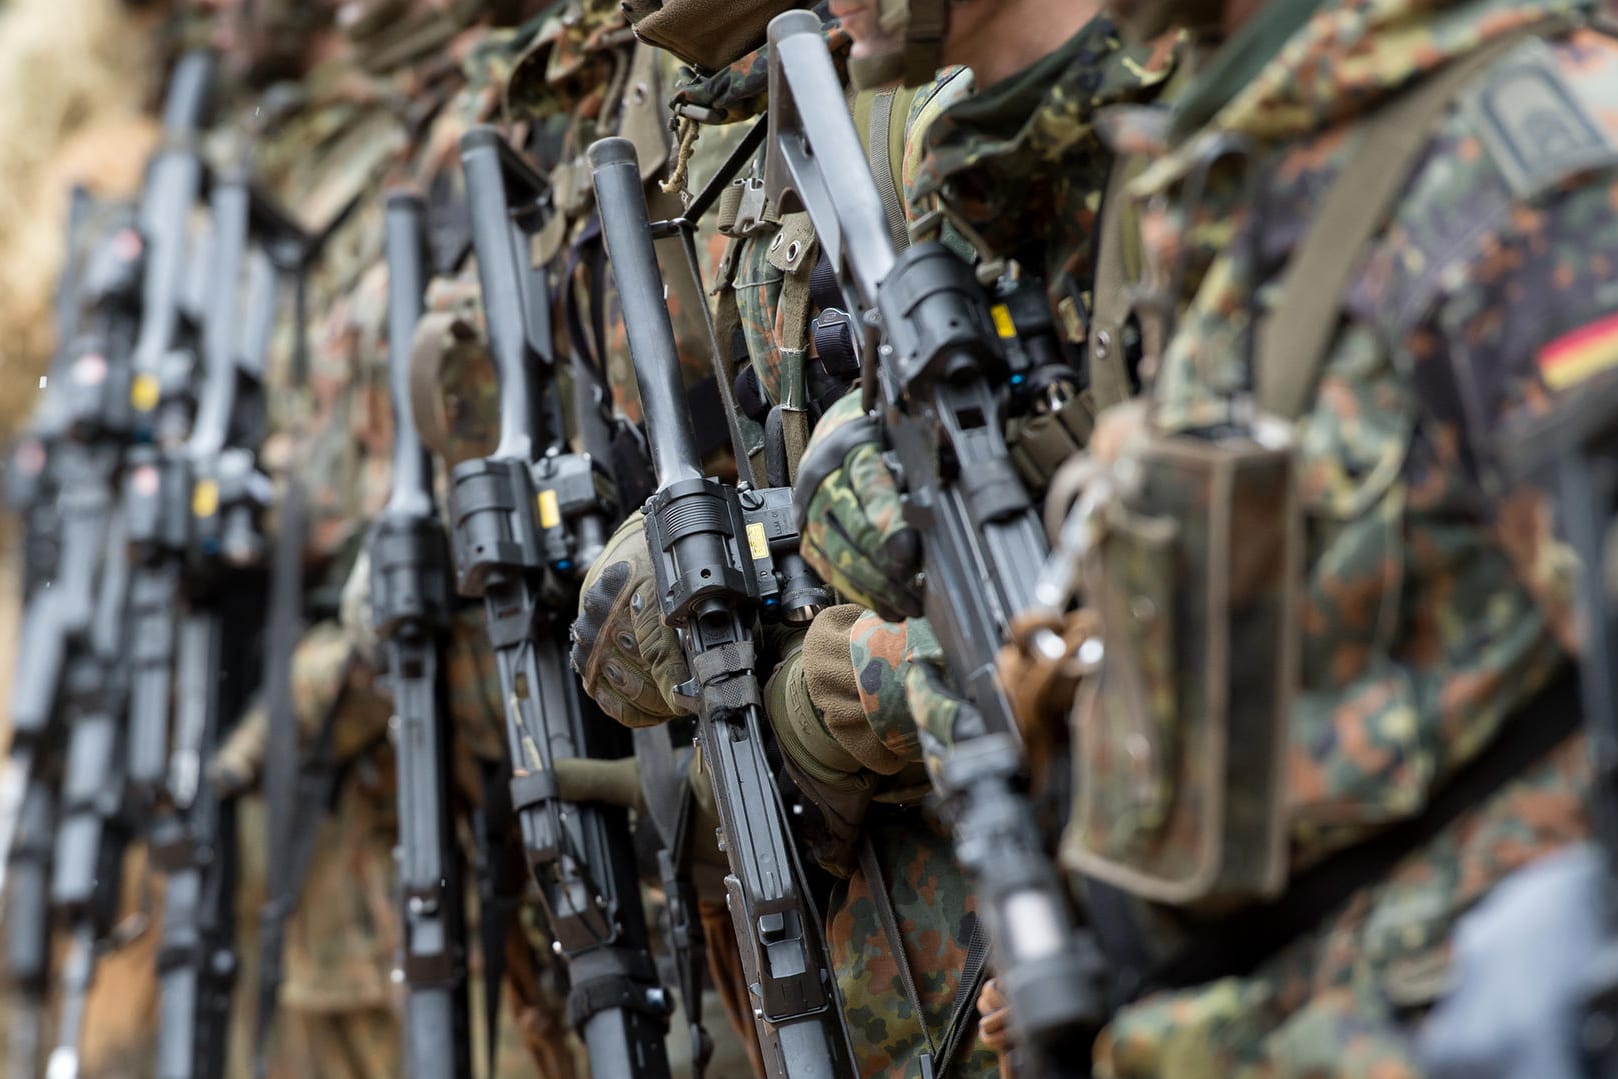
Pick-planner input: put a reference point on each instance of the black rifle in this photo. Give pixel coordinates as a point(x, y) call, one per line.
point(722, 554)
point(526, 573)
point(155, 488)
point(29, 789)
point(193, 842)
point(95, 825)
point(410, 598)
point(936, 384)
point(73, 709)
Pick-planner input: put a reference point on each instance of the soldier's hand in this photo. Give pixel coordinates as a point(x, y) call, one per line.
point(854, 533)
point(630, 662)
point(837, 786)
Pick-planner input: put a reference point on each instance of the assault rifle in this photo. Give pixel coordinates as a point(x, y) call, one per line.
point(67, 706)
point(193, 841)
point(411, 612)
point(161, 397)
point(94, 823)
point(936, 385)
point(721, 554)
point(526, 573)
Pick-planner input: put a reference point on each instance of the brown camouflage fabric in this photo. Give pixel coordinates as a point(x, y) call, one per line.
point(936, 916)
point(1436, 597)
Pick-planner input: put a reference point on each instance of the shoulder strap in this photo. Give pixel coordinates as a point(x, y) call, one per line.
point(1299, 328)
point(1109, 305)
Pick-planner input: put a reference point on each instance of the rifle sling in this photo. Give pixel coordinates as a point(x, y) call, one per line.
point(1236, 945)
point(936, 1062)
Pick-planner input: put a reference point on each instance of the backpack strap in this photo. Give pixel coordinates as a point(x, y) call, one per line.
point(1298, 330)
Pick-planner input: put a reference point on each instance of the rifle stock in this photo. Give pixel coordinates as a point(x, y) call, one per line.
point(936, 381)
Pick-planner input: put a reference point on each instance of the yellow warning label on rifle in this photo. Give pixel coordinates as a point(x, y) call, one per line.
point(550, 514)
point(205, 499)
point(757, 542)
point(144, 392)
point(1002, 320)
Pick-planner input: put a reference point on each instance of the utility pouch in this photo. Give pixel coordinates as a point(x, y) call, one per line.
point(1181, 736)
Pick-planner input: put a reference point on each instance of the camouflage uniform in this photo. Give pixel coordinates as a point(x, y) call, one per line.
point(570, 77)
point(328, 147)
point(1435, 598)
point(765, 260)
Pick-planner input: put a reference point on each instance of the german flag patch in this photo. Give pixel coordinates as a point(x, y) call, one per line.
point(1581, 354)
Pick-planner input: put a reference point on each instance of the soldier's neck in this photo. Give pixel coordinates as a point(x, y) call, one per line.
point(997, 40)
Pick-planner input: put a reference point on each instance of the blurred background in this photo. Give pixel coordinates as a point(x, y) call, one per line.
point(77, 81)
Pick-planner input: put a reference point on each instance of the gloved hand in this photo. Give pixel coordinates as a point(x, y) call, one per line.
point(854, 534)
point(836, 785)
point(844, 740)
point(933, 704)
point(630, 662)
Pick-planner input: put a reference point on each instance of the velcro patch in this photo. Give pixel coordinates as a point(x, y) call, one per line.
point(1535, 125)
point(1580, 354)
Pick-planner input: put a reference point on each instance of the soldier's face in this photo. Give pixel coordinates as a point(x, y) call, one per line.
point(862, 20)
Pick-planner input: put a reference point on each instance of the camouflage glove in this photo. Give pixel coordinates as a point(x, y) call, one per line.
point(629, 660)
point(854, 533)
point(934, 706)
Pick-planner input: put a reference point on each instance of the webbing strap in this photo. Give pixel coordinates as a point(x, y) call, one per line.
point(879, 145)
point(1108, 369)
point(1299, 328)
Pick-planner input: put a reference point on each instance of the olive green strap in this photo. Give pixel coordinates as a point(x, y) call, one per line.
point(1299, 328)
point(1109, 306)
point(879, 145)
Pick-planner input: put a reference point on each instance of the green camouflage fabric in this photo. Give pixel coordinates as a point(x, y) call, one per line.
point(936, 915)
point(1193, 574)
point(855, 535)
point(881, 652)
point(1436, 599)
point(1019, 168)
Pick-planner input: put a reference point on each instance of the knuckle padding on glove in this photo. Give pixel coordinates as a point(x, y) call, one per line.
point(826, 455)
point(595, 610)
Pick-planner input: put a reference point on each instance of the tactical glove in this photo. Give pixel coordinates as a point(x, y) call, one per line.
point(826, 773)
point(854, 533)
point(630, 662)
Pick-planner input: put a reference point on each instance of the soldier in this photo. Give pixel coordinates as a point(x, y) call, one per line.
point(893, 859)
point(578, 77)
point(1427, 748)
point(385, 96)
point(1017, 171)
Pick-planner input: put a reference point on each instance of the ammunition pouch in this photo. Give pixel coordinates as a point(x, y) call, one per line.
point(1180, 739)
